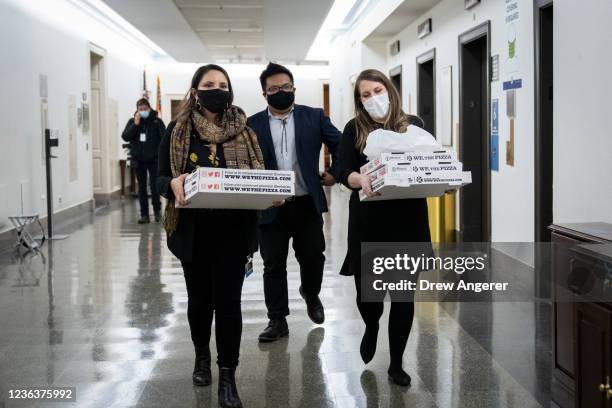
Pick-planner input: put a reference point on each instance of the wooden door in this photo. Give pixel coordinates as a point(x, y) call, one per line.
point(593, 354)
point(98, 139)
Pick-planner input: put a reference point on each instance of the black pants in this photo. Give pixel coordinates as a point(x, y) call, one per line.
point(400, 321)
point(300, 220)
point(214, 285)
point(143, 196)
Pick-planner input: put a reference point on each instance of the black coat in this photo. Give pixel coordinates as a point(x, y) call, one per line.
point(312, 130)
point(235, 231)
point(377, 221)
point(154, 128)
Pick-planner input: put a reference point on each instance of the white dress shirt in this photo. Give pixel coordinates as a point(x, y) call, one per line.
point(283, 137)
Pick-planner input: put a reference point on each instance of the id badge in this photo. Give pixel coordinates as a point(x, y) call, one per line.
point(248, 267)
point(143, 137)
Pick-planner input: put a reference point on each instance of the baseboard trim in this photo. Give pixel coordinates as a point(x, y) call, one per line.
point(8, 237)
point(106, 198)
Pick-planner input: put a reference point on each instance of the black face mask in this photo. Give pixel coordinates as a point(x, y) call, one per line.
point(214, 100)
point(281, 100)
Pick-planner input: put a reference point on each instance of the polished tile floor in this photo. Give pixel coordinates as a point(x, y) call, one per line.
point(106, 314)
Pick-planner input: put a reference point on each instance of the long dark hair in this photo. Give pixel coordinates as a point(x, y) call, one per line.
point(143, 101)
point(189, 102)
point(396, 118)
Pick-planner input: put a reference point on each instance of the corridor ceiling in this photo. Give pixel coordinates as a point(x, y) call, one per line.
point(228, 31)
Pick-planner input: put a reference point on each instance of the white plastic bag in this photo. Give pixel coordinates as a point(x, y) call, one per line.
point(382, 141)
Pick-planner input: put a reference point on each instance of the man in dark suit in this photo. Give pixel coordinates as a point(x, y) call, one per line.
point(291, 137)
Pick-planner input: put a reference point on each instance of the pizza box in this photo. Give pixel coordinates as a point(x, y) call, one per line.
point(442, 155)
point(417, 185)
point(400, 169)
point(237, 189)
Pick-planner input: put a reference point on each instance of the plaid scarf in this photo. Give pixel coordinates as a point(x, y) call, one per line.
point(240, 148)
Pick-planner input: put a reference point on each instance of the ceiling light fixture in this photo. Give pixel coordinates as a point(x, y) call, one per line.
point(110, 18)
point(341, 17)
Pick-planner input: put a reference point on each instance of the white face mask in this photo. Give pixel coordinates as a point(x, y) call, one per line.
point(377, 105)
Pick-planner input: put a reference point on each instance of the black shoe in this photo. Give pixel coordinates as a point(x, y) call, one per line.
point(228, 394)
point(399, 376)
point(157, 217)
point(367, 349)
point(314, 307)
point(201, 370)
point(276, 329)
point(144, 220)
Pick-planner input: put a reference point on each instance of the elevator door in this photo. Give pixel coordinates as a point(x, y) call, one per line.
point(474, 133)
point(544, 123)
point(426, 102)
point(396, 78)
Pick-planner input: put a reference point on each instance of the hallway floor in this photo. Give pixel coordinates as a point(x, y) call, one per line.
point(106, 314)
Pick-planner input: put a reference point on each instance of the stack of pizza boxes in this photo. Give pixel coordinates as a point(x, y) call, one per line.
point(414, 174)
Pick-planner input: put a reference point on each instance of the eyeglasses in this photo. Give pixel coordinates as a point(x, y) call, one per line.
point(285, 88)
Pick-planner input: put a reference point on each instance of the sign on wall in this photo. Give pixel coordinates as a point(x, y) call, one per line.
point(512, 18)
point(495, 134)
point(495, 68)
point(513, 82)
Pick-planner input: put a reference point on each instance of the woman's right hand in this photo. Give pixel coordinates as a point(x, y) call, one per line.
point(366, 185)
point(178, 188)
point(137, 118)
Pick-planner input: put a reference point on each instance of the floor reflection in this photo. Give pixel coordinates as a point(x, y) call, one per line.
point(105, 313)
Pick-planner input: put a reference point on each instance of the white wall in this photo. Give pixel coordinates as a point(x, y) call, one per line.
point(52, 38)
point(175, 79)
point(512, 187)
point(352, 54)
point(582, 142)
point(512, 219)
point(582, 189)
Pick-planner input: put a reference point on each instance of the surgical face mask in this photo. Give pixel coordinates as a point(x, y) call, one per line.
point(144, 114)
point(377, 105)
point(214, 100)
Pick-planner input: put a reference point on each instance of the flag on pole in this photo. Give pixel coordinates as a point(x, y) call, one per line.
point(158, 106)
point(145, 91)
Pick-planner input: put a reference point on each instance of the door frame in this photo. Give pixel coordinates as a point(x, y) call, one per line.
point(420, 59)
point(103, 196)
point(167, 105)
point(394, 71)
point(538, 5)
point(475, 33)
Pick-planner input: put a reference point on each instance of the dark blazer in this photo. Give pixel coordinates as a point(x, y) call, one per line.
point(239, 227)
point(154, 128)
point(312, 129)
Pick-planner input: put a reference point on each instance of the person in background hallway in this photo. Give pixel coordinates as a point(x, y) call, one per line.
point(291, 137)
point(213, 245)
point(377, 105)
point(144, 133)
